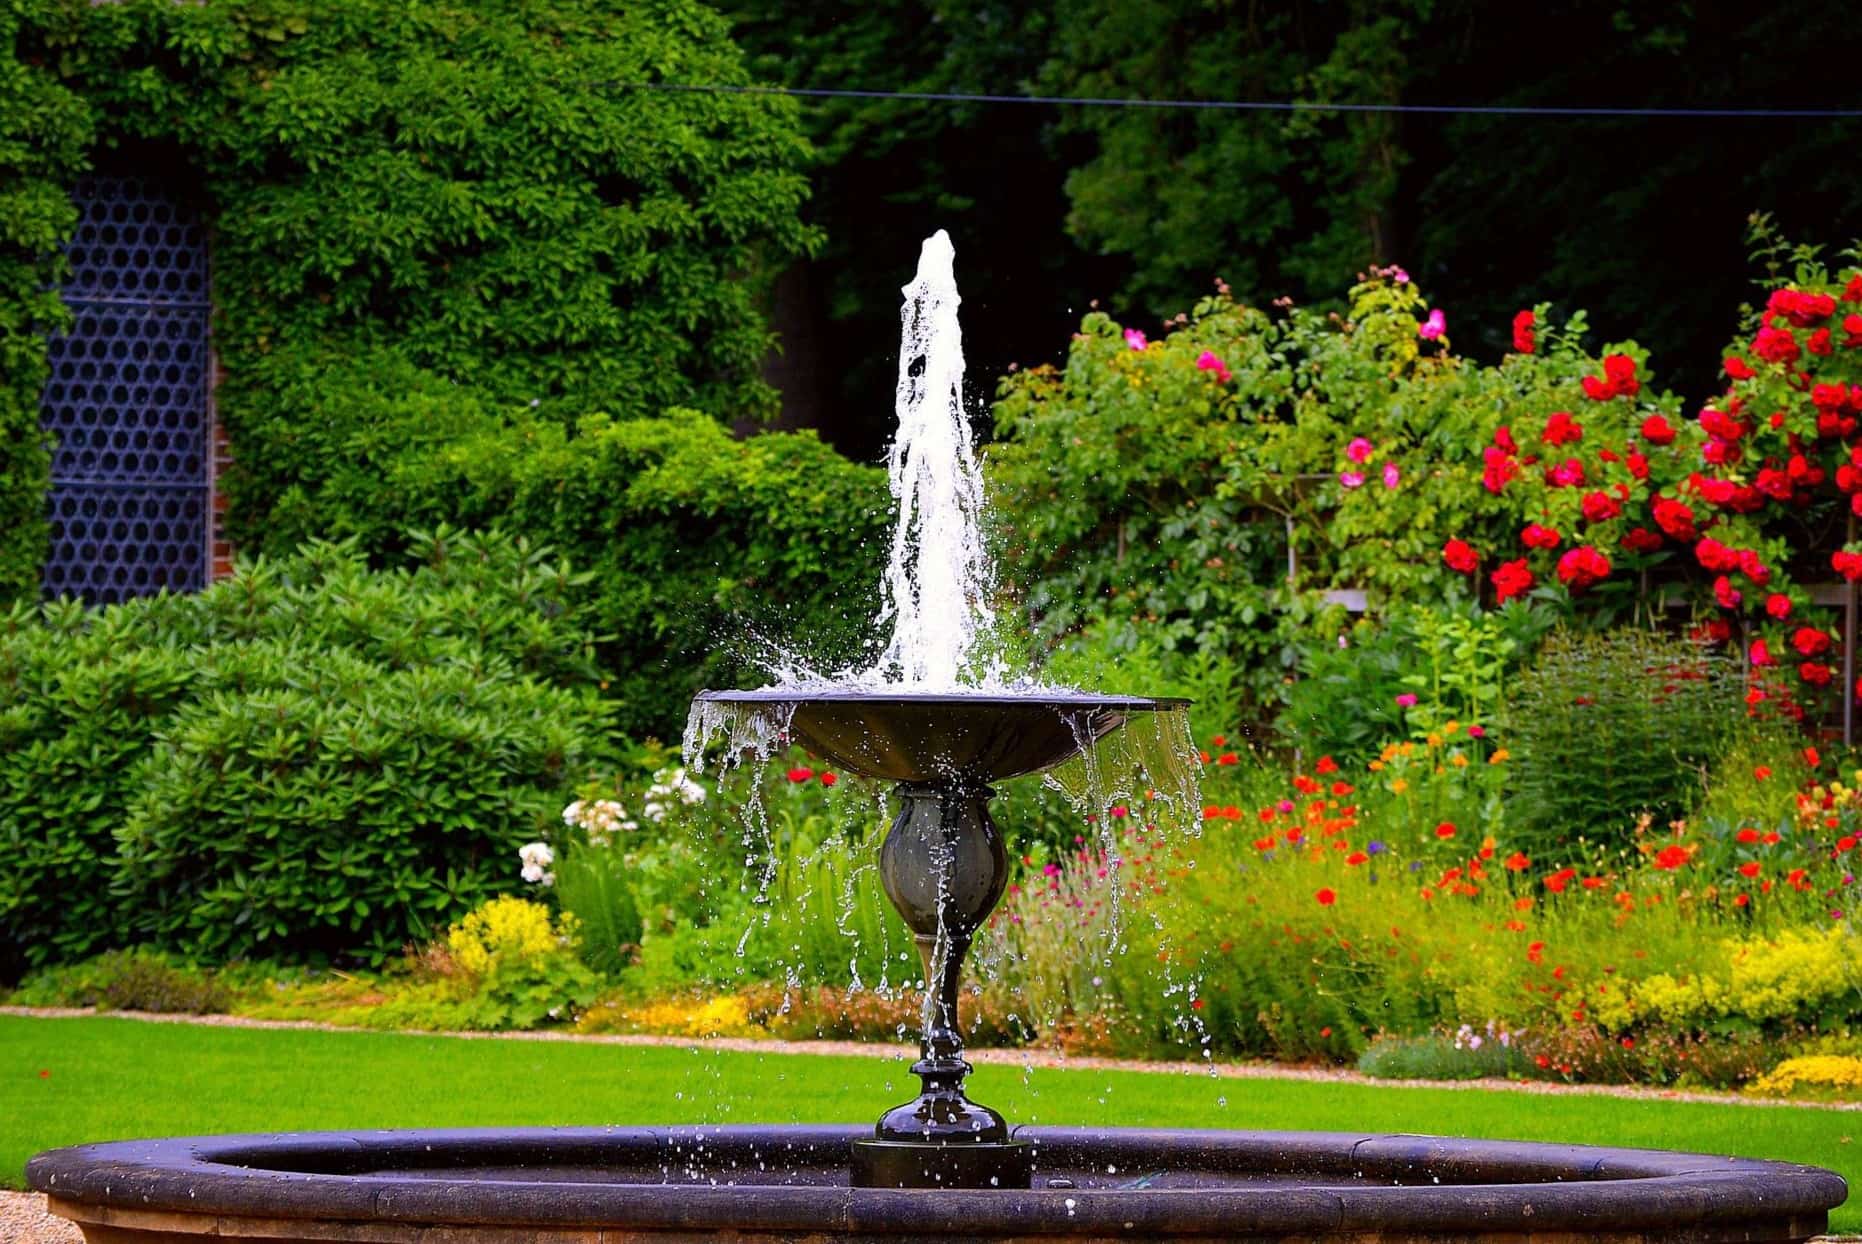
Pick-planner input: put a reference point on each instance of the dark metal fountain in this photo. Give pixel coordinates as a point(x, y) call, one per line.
point(944, 867)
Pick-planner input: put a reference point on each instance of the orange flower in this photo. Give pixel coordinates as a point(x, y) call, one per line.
point(1750, 868)
point(1517, 862)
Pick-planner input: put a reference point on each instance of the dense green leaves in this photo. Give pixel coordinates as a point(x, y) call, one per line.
point(468, 203)
point(307, 758)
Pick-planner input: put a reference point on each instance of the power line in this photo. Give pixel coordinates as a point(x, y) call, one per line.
point(1247, 105)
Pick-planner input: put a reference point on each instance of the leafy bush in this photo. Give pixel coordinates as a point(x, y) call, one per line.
point(308, 758)
point(129, 980)
point(591, 886)
point(1466, 1055)
point(1608, 726)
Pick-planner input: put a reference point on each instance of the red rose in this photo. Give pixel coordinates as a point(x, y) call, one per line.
point(1620, 370)
point(1522, 332)
point(1775, 345)
point(1719, 423)
point(1503, 440)
point(1754, 569)
point(1461, 556)
point(1712, 555)
point(1597, 390)
point(1511, 579)
point(1538, 537)
point(1848, 565)
point(1852, 324)
point(1638, 465)
point(1774, 484)
point(1815, 673)
point(1760, 654)
point(1810, 642)
point(1562, 429)
point(1581, 567)
point(1656, 430)
point(1724, 592)
point(1642, 540)
point(1498, 469)
point(1676, 518)
point(1852, 292)
point(1567, 474)
point(1800, 308)
point(1819, 343)
point(1599, 507)
point(1778, 606)
point(1737, 368)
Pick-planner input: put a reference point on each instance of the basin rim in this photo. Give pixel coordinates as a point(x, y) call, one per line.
point(1568, 1187)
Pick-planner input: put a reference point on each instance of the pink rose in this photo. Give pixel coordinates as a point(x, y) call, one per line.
point(1433, 327)
point(1358, 450)
point(1351, 479)
point(1392, 476)
point(1135, 339)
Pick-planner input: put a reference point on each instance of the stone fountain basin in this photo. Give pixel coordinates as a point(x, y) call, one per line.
point(790, 1183)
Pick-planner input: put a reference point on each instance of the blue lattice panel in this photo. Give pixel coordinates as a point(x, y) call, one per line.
point(127, 399)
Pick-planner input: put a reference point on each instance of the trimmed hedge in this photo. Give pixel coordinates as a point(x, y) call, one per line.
point(308, 759)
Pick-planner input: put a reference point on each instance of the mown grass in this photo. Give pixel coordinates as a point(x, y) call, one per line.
point(117, 1078)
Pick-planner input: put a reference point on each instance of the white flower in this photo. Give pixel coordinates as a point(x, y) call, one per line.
point(572, 815)
point(533, 873)
point(535, 855)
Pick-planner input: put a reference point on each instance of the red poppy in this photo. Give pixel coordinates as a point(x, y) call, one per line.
point(1445, 830)
point(1325, 897)
point(1751, 868)
point(1671, 857)
point(801, 773)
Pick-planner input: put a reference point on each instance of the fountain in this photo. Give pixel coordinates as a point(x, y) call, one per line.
point(938, 716)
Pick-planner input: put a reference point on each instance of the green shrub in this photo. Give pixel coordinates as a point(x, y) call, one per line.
point(1611, 725)
point(129, 980)
point(308, 758)
point(1466, 1055)
point(591, 885)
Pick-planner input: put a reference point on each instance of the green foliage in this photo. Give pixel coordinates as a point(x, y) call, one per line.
point(1608, 726)
point(307, 758)
point(128, 980)
point(414, 208)
point(45, 131)
point(1467, 1055)
point(591, 885)
point(700, 549)
point(1154, 490)
point(1456, 661)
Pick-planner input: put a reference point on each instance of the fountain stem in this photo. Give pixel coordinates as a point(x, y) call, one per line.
point(944, 866)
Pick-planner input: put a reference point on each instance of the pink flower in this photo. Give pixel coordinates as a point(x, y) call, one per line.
point(1207, 361)
point(1479, 732)
point(1392, 476)
point(1285, 806)
point(1351, 479)
point(1135, 339)
point(1398, 275)
point(1433, 327)
point(1358, 450)
point(1407, 700)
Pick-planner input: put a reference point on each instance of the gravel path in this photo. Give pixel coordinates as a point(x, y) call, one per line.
point(1027, 1058)
point(23, 1218)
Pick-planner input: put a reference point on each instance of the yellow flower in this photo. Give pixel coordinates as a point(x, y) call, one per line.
point(1377, 766)
point(1839, 1072)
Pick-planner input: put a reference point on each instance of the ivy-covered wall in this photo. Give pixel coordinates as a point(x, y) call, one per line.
point(466, 188)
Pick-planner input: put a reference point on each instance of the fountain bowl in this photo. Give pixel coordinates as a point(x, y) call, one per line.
point(791, 1183)
point(935, 736)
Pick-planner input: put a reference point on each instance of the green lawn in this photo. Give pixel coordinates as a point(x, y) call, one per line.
point(115, 1078)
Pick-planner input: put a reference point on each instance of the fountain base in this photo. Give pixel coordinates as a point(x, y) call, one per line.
point(928, 1164)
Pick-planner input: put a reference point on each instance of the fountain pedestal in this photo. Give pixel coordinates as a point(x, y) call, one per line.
point(944, 867)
